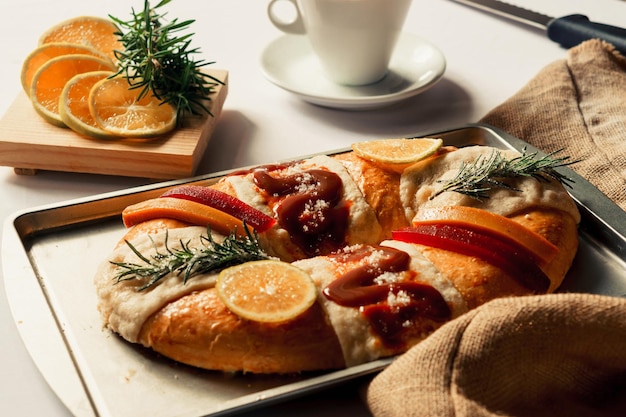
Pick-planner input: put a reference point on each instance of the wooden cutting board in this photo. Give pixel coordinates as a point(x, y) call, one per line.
point(29, 144)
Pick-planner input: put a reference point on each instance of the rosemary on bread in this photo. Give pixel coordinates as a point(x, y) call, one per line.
point(189, 261)
point(158, 59)
point(477, 178)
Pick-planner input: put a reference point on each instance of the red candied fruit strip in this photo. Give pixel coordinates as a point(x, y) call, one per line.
point(224, 202)
point(503, 253)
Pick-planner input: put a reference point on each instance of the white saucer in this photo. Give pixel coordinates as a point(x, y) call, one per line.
point(415, 66)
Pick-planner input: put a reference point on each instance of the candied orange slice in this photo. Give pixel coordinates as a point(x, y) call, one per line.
point(397, 154)
point(266, 291)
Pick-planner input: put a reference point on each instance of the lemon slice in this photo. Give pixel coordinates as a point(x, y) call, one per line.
point(266, 291)
point(397, 154)
point(119, 110)
point(74, 107)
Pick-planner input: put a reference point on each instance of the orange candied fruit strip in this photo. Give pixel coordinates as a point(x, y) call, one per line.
point(185, 211)
point(543, 249)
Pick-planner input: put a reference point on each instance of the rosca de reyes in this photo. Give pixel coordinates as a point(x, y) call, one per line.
point(333, 261)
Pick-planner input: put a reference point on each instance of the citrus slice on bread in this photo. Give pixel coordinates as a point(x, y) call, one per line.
point(397, 154)
point(266, 291)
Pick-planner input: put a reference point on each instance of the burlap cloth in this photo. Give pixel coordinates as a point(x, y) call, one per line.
point(552, 355)
point(579, 105)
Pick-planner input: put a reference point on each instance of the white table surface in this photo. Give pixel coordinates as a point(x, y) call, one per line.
point(488, 59)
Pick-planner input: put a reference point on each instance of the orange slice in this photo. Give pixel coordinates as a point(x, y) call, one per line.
point(120, 111)
point(95, 32)
point(266, 291)
point(74, 107)
point(50, 79)
point(539, 246)
point(397, 154)
point(44, 53)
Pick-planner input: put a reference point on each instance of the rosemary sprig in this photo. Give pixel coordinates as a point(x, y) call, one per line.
point(158, 59)
point(188, 261)
point(477, 178)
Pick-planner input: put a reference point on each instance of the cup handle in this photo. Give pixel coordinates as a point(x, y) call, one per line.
point(295, 27)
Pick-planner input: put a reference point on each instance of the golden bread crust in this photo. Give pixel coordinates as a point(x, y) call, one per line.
point(479, 282)
point(199, 330)
point(380, 190)
point(560, 229)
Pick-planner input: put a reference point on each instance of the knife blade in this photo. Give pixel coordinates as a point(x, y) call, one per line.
point(567, 31)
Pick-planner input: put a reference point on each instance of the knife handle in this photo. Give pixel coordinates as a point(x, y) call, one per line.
point(569, 31)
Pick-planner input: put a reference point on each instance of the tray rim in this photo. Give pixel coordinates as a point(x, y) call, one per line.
point(604, 209)
point(83, 401)
point(588, 197)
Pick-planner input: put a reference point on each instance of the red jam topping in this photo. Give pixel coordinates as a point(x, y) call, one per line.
point(310, 208)
point(389, 307)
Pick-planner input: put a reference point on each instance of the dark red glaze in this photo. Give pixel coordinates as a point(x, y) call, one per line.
point(357, 288)
point(310, 208)
point(392, 322)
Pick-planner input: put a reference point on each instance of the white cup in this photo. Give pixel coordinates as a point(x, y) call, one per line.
point(352, 39)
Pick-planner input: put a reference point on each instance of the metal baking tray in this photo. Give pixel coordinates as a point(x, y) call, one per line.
point(50, 255)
